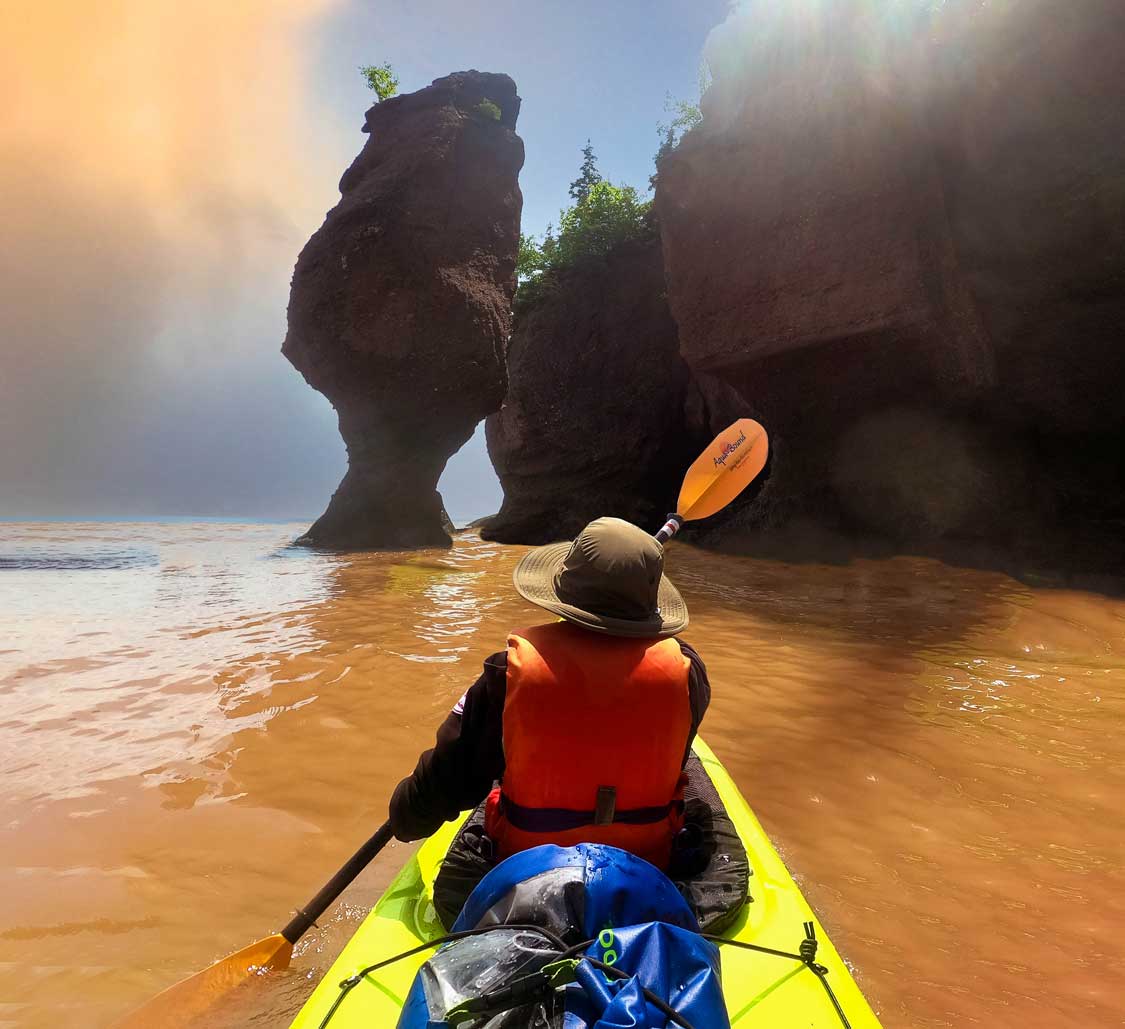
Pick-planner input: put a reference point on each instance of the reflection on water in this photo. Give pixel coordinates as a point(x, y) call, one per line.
point(199, 722)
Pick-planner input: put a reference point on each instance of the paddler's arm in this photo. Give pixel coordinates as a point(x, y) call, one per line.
point(467, 758)
point(699, 691)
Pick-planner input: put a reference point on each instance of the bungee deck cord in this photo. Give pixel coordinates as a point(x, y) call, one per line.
point(553, 975)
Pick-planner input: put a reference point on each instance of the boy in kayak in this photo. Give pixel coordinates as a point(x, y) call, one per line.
point(586, 722)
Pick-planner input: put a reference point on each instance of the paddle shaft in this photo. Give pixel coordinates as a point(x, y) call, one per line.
point(669, 529)
point(316, 907)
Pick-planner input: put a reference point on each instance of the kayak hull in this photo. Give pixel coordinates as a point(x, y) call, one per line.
point(760, 989)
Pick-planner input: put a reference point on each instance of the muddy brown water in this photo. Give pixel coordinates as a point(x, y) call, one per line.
point(198, 724)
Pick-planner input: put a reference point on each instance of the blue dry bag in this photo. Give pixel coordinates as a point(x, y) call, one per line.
point(639, 925)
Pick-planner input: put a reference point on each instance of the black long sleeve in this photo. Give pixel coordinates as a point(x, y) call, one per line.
point(699, 692)
point(468, 755)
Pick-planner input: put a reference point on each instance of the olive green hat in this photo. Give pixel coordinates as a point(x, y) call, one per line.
point(610, 579)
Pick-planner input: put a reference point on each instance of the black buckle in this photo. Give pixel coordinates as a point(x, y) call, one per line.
point(606, 806)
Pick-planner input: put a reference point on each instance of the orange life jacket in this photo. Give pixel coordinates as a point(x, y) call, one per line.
point(595, 732)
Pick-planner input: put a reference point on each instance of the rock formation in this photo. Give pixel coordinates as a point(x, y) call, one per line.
point(593, 421)
point(1028, 106)
point(400, 303)
point(901, 238)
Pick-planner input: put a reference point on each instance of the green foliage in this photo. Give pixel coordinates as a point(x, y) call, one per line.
point(607, 216)
point(487, 109)
point(529, 260)
point(588, 175)
point(685, 116)
point(380, 79)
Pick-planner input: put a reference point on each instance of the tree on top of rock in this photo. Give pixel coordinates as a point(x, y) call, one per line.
point(588, 176)
point(608, 216)
point(380, 79)
point(686, 115)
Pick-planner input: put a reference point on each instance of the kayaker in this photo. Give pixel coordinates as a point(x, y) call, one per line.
point(586, 722)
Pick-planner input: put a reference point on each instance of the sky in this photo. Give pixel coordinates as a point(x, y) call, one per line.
point(161, 165)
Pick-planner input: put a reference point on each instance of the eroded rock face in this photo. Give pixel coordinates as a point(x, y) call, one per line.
point(400, 303)
point(895, 229)
point(593, 423)
point(1028, 104)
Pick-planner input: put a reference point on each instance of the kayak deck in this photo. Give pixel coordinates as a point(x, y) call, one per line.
point(760, 989)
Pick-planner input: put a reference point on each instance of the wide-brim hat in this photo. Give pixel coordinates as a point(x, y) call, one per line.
point(609, 579)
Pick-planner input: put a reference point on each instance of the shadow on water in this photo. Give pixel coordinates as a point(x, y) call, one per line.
point(1091, 559)
point(900, 603)
point(820, 651)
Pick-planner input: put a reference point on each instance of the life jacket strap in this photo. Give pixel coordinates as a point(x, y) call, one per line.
point(561, 819)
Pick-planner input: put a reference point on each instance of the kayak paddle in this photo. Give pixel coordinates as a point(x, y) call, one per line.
point(190, 997)
point(719, 474)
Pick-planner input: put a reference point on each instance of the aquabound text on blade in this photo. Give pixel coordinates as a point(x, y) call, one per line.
point(728, 449)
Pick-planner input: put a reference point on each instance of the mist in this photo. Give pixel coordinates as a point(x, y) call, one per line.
point(161, 166)
point(158, 175)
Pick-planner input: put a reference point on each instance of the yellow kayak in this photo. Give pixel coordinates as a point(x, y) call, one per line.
point(760, 989)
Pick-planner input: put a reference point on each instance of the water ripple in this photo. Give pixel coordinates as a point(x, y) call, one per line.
point(43, 560)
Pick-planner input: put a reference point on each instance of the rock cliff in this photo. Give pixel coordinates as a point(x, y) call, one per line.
point(897, 238)
point(901, 238)
point(400, 303)
point(592, 424)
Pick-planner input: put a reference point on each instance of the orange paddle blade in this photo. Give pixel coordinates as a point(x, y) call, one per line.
point(191, 997)
point(723, 470)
